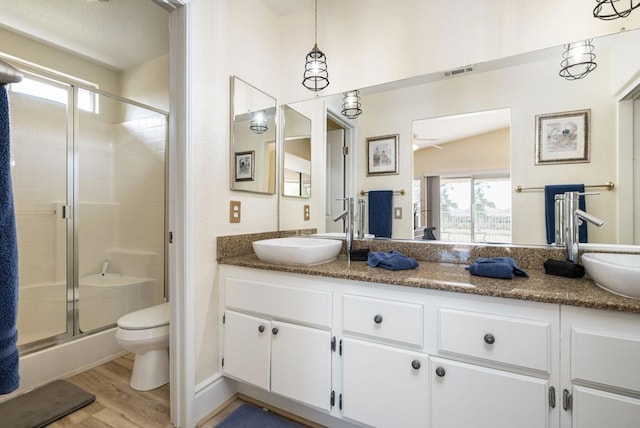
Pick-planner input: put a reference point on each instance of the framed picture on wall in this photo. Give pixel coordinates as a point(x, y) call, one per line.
point(563, 137)
point(382, 155)
point(245, 165)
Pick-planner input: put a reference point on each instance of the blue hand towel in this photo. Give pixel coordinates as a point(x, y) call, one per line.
point(380, 213)
point(550, 193)
point(393, 260)
point(9, 376)
point(496, 267)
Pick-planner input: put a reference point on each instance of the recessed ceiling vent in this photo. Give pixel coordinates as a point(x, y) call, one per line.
point(458, 71)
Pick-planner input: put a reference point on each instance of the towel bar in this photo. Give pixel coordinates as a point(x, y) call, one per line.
point(395, 192)
point(608, 185)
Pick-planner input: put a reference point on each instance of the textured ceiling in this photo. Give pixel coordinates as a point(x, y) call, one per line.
point(118, 33)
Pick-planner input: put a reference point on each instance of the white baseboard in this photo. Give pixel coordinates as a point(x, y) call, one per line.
point(211, 394)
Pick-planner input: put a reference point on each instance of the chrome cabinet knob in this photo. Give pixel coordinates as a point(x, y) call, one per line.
point(261, 329)
point(415, 364)
point(440, 372)
point(489, 339)
point(274, 330)
point(377, 319)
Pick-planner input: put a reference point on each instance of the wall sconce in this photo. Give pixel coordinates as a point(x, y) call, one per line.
point(258, 122)
point(607, 10)
point(316, 76)
point(351, 104)
point(578, 60)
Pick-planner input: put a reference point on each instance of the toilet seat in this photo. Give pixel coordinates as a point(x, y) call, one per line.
point(144, 319)
point(142, 335)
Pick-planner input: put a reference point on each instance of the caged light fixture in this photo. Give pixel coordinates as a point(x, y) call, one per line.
point(608, 10)
point(578, 60)
point(316, 76)
point(258, 122)
point(351, 104)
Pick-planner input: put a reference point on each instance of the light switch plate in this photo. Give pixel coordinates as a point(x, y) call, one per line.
point(397, 213)
point(234, 212)
point(307, 213)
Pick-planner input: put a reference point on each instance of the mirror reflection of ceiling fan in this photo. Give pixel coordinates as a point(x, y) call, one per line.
point(423, 143)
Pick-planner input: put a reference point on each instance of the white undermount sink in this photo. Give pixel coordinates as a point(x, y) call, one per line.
point(616, 273)
point(297, 251)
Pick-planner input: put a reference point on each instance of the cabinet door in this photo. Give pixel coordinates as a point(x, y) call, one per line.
point(301, 364)
point(246, 348)
point(384, 386)
point(465, 395)
point(597, 409)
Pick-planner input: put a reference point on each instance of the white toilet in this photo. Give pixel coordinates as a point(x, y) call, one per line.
point(146, 334)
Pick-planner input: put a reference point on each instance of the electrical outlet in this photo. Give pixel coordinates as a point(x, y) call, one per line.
point(307, 213)
point(397, 213)
point(234, 212)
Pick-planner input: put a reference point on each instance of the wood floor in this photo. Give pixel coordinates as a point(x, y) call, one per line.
point(116, 404)
point(119, 406)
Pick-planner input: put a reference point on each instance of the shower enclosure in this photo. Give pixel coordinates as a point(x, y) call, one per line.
point(88, 172)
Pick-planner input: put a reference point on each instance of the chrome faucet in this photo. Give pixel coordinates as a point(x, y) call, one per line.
point(572, 219)
point(105, 266)
point(349, 216)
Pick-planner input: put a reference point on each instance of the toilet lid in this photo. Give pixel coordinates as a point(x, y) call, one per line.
point(154, 316)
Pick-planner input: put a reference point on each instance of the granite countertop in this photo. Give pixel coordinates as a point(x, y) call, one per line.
point(454, 277)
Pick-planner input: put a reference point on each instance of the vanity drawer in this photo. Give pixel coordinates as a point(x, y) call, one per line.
point(302, 305)
point(388, 320)
point(514, 341)
point(606, 359)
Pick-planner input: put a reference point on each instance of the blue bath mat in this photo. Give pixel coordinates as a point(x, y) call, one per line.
point(248, 416)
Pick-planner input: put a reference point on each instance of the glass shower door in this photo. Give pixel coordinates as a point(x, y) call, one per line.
point(120, 208)
point(39, 116)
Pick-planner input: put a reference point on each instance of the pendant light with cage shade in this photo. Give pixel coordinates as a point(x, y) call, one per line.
point(351, 104)
point(608, 10)
point(578, 60)
point(316, 76)
point(258, 122)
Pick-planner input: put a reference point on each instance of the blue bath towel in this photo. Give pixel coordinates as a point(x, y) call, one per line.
point(380, 213)
point(393, 260)
point(9, 377)
point(496, 267)
point(550, 193)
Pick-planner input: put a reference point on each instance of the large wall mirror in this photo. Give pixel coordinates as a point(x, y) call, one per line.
point(253, 139)
point(500, 105)
point(296, 148)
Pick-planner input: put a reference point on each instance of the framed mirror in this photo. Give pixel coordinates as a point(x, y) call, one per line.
point(296, 148)
point(253, 139)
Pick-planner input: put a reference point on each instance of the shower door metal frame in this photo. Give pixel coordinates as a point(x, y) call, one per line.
point(71, 208)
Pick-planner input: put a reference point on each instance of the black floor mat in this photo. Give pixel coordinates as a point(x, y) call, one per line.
point(43, 405)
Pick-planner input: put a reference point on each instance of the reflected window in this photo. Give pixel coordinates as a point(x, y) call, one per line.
point(475, 209)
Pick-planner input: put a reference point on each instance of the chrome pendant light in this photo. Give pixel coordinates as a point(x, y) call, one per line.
point(316, 76)
point(258, 122)
point(608, 10)
point(578, 60)
point(351, 104)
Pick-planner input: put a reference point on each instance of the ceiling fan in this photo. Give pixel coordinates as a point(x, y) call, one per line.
point(423, 143)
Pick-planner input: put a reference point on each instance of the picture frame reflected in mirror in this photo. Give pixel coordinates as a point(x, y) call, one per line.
point(563, 137)
point(382, 155)
point(244, 166)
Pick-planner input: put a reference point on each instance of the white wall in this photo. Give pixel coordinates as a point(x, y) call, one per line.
point(231, 38)
point(375, 41)
point(147, 83)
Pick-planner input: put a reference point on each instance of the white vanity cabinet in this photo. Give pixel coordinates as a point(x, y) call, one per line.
point(600, 366)
point(493, 370)
point(384, 373)
point(468, 395)
point(278, 337)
